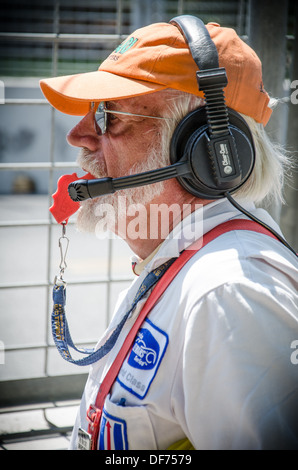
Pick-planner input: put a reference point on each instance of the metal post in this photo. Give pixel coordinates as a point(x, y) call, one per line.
point(267, 36)
point(50, 185)
point(289, 221)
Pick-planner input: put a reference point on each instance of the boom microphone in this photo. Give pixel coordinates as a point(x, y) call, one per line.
point(82, 189)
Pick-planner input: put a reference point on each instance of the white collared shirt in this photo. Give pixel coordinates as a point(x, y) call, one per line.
point(212, 361)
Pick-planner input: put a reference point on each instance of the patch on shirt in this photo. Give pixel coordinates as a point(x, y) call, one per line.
point(112, 433)
point(140, 367)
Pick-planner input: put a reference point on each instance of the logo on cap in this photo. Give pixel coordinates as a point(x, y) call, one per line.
point(123, 47)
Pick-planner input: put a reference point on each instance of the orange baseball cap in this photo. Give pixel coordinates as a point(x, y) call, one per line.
point(157, 57)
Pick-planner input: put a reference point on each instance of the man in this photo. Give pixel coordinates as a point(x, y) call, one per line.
point(210, 366)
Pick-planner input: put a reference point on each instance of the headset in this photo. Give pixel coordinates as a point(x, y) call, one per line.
point(212, 152)
point(215, 140)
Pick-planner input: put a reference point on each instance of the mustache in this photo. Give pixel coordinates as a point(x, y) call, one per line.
point(155, 158)
point(90, 163)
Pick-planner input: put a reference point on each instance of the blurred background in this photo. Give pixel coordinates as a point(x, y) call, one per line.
point(47, 38)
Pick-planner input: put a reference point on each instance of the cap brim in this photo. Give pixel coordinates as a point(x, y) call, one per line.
point(72, 94)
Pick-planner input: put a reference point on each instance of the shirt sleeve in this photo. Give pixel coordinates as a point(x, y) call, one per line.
point(240, 388)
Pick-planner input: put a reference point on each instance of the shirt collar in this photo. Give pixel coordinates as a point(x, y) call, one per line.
point(138, 265)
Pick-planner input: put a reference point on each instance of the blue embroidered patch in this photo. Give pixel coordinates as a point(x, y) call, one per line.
point(145, 350)
point(140, 367)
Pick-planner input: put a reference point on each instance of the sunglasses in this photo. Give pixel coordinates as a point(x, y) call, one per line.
point(101, 115)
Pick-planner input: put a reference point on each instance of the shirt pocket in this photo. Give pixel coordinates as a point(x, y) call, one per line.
point(125, 428)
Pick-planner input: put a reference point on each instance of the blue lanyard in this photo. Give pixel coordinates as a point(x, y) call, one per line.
point(60, 330)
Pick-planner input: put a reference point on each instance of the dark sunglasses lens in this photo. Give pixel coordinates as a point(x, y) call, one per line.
point(100, 117)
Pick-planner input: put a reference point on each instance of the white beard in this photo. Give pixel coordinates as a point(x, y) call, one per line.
point(91, 212)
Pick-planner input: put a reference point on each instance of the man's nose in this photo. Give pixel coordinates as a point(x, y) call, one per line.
point(85, 133)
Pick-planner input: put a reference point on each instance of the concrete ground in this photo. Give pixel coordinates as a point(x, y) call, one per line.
point(45, 426)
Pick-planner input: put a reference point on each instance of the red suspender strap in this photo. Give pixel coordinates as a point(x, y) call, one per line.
point(95, 411)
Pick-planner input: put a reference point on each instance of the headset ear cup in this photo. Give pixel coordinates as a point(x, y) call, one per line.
point(190, 142)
